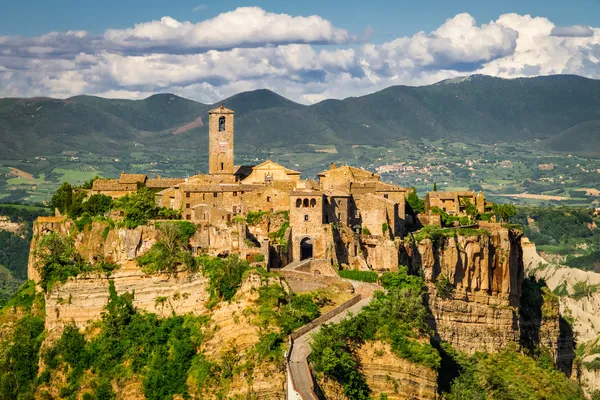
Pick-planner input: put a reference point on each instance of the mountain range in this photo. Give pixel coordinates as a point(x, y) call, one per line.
point(562, 112)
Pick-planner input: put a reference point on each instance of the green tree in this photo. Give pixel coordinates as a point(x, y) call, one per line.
point(504, 212)
point(435, 186)
point(140, 207)
point(417, 204)
point(62, 198)
point(97, 204)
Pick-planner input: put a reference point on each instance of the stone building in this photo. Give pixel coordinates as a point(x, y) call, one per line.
point(454, 203)
point(307, 218)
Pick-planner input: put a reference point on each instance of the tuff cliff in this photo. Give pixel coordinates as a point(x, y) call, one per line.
point(484, 273)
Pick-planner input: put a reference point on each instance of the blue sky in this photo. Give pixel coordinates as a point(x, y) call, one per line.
point(306, 50)
point(389, 18)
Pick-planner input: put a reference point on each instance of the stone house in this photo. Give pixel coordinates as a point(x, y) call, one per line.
point(454, 202)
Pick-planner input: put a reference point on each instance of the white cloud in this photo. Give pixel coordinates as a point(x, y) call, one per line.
point(249, 48)
point(200, 7)
point(572, 31)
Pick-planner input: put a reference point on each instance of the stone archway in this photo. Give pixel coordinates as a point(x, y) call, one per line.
point(306, 248)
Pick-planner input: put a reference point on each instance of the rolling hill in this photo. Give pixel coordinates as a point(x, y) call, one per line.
point(483, 109)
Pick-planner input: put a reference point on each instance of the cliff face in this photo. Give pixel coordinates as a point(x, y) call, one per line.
point(388, 374)
point(485, 273)
point(98, 241)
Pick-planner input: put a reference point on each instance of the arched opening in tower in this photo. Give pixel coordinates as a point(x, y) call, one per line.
point(306, 248)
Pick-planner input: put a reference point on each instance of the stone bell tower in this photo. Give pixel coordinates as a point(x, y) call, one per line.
point(220, 141)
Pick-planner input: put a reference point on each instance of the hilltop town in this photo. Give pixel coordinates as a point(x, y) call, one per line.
point(345, 217)
point(255, 276)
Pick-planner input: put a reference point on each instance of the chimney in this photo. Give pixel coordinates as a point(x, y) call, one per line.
point(332, 166)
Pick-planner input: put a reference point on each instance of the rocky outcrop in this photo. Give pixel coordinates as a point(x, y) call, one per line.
point(485, 273)
point(395, 376)
point(81, 300)
point(98, 241)
point(389, 375)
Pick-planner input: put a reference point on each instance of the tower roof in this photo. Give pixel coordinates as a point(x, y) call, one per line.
point(221, 110)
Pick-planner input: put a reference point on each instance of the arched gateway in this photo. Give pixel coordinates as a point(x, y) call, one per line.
point(306, 248)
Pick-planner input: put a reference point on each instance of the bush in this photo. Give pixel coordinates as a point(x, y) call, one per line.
point(225, 275)
point(363, 276)
point(19, 359)
point(254, 217)
point(57, 260)
point(444, 287)
point(171, 252)
point(365, 231)
point(97, 204)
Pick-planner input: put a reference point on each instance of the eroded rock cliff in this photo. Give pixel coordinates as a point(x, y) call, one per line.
point(485, 273)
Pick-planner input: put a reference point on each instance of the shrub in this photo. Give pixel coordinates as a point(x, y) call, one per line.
point(364, 276)
point(19, 359)
point(254, 217)
point(365, 231)
point(57, 260)
point(444, 287)
point(171, 252)
point(385, 227)
point(225, 275)
point(97, 204)
point(583, 289)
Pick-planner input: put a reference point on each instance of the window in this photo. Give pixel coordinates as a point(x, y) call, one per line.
point(305, 203)
point(203, 196)
point(187, 194)
point(313, 202)
point(188, 217)
point(234, 194)
point(222, 166)
point(187, 205)
point(298, 203)
point(221, 124)
point(268, 199)
point(326, 218)
point(215, 194)
point(385, 196)
point(356, 213)
point(306, 217)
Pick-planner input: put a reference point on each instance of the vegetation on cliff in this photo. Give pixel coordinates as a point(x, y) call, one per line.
point(397, 316)
point(510, 375)
point(58, 259)
point(22, 320)
point(160, 352)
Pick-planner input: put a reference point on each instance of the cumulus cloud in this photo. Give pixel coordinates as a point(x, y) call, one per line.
point(572, 31)
point(250, 48)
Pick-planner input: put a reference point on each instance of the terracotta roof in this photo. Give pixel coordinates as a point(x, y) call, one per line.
point(287, 170)
point(163, 182)
point(107, 185)
point(132, 178)
point(221, 110)
point(352, 171)
point(450, 195)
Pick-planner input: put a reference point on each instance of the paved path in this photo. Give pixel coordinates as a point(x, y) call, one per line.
point(301, 349)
